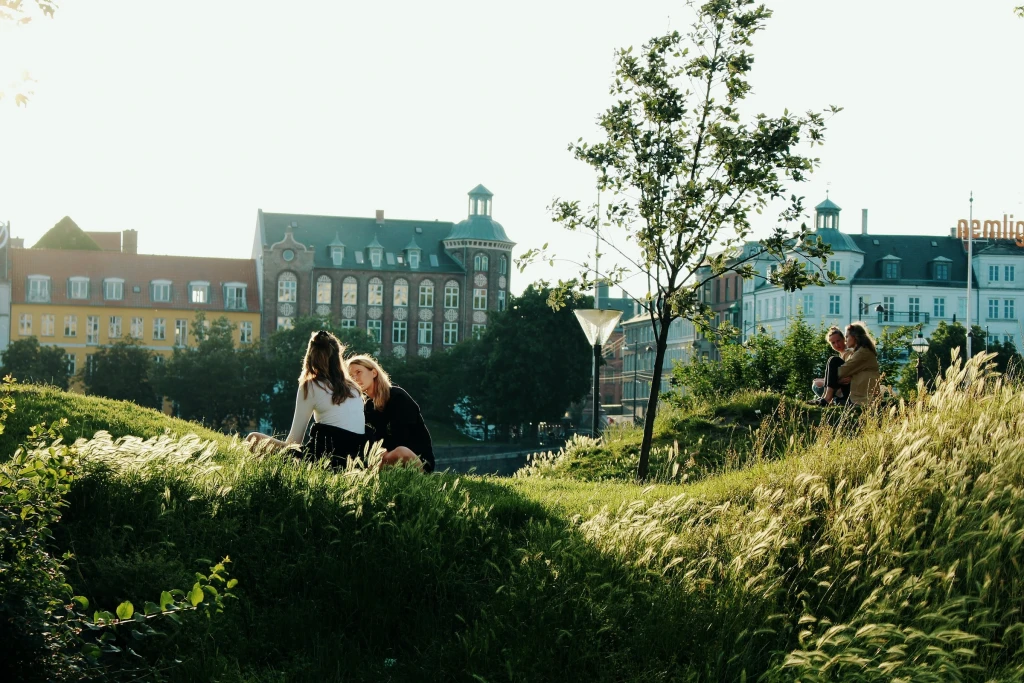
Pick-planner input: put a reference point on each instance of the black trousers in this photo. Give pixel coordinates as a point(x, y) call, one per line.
point(340, 445)
point(832, 366)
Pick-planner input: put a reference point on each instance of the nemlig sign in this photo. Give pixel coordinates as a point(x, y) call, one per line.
point(1006, 229)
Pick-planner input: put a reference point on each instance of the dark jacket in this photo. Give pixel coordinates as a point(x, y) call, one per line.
point(401, 424)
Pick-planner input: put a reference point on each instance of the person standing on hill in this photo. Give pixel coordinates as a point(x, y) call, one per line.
point(327, 393)
point(392, 415)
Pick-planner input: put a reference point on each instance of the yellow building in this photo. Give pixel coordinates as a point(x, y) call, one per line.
point(82, 300)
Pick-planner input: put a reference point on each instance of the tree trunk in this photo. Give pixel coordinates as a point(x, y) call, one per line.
point(661, 343)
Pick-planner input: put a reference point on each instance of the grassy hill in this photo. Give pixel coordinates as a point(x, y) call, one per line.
point(884, 552)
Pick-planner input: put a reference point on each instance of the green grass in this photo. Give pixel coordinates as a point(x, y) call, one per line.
point(885, 552)
point(444, 434)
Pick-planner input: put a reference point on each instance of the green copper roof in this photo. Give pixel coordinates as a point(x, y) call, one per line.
point(479, 228)
point(336, 242)
point(481, 190)
point(412, 244)
point(916, 253)
point(375, 244)
point(839, 241)
point(827, 205)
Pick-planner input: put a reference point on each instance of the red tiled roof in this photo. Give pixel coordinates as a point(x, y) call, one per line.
point(107, 241)
point(137, 270)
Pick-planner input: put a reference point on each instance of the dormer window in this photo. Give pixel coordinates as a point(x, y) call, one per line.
point(39, 288)
point(160, 291)
point(891, 270)
point(376, 254)
point(414, 258)
point(941, 271)
point(113, 289)
point(78, 288)
point(337, 254)
point(199, 292)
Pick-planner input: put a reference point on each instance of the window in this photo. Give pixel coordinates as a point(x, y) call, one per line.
point(375, 256)
point(234, 297)
point(72, 361)
point(425, 333)
point(136, 330)
point(349, 291)
point(426, 294)
point(502, 266)
point(479, 299)
point(833, 304)
point(92, 329)
point(78, 288)
point(180, 332)
point(38, 288)
point(478, 331)
point(401, 294)
point(941, 271)
point(375, 292)
point(285, 322)
point(451, 334)
point(46, 325)
point(914, 309)
point(114, 328)
point(501, 299)
point(892, 270)
point(889, 304)
point(939, 307)
point(337, 253)
point(399, 332)
point(480, 262)
point(90, 366)
point(993, 308)
point(961, 308)
point(71, 326)
point(451, 294)
point(159, 329)
point(1009, 309)
point(373, 327)
point(348, 324)
point(199, 292)
point(25, 325)
point(993, 273)
point(113, 290)
point(414, 258)
point(836, 268)
point(245, 332)
point(160, 290)
point(808, 305)
point(1008, 339)
point(287, 288)
point(323, 289)
point(1008, 273)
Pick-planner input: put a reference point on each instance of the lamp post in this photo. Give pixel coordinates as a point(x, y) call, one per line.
point(597, 325)
point(880, 308)
point(920, 347)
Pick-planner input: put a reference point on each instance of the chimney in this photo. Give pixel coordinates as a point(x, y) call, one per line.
point(863, 221)
point(129, 241)
point(952, 232)
point(380, 217)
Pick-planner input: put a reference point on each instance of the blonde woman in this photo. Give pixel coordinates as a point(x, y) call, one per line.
point(392, 415)
point(329, 395)
point(862, 366)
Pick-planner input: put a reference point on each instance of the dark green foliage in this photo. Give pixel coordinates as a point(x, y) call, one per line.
point(66, 235)
point(28, 362)
point(804, 353)
point(440, 381)
point(893, 347)
point(122, 371)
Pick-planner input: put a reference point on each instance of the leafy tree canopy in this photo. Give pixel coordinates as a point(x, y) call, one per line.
point(66, 235)
point(27, 361)
point(122, 371)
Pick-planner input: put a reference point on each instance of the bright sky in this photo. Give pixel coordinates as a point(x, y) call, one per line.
point(181, 121)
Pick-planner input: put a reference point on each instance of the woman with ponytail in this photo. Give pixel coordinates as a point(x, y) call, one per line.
point(329, 395)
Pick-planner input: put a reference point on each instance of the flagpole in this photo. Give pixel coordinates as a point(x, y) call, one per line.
point(970, 270)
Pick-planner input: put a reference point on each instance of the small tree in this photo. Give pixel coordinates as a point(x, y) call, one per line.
point(122, 371)
point(27, 361)
point(804, 351)
point(685, 174)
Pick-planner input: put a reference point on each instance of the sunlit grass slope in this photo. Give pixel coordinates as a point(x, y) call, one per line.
point(886, 552)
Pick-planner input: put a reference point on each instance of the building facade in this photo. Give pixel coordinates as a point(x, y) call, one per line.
point(416, 286)
point(82, 300)
point(893, 280)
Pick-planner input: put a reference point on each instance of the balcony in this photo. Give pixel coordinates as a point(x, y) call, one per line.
point(903, 317)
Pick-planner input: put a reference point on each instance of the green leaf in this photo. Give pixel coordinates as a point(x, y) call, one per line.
point(166, 601)
point(232, 583)
point(151, 608)
point(196, 595)
point(81, 601)
point(125, 610)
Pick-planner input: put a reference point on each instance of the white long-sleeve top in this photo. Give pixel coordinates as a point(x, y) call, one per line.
point(347, 415)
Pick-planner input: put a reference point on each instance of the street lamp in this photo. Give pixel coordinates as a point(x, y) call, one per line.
point(920, 347)
point(878, 309)
point(598, 326)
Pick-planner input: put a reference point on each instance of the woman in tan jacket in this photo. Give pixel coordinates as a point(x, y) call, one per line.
point(862, 366)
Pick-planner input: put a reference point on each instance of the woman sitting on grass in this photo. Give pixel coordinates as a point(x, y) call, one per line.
point(328, 394)
point(862, 366)
point(392, 415)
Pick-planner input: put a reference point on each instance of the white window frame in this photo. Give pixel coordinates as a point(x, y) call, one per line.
point(158, 287)
point(348, 323)
point(425, 333)
point(114, 327)
point(400, 294)
point(835, 304)
point(245, 332)
point(324, 290)
point(47, 325)
point(451, 295)
point(92, 329)
point(374, 329)
point(501, 300)
point(285, 322)
point(159, 329)
point(399, 332)
point(481, 263)
point(25, 324)
point(138, 327)
point(38, 288)
point(376, 255)
point(1009, 309)
point(78, 287)
point(350, 291)
point(375, 292)
point(234, 296)
point(993, 309)
point(426, 297)
point(939, 307)
point(479, 330)
point(451, 334)
point(71, 326)
point(202, 289)
point(181, 332)
point(287, 288)
point(993, 273)
point(113, 289)
point(414, 258)
point(337, 255)
point(1009, 274)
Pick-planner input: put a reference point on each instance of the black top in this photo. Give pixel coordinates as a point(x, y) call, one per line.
point(401, 424)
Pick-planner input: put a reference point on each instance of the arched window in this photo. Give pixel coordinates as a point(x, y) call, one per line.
point(323, 289)
point(426, 294)
point(375, 292)
point(451, 294)
point(350, 291)
point(401, 295)
point(480, 262)
point(503, 266)
point(287, 288)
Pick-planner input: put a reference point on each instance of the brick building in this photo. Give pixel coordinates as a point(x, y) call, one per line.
point(417, 286)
